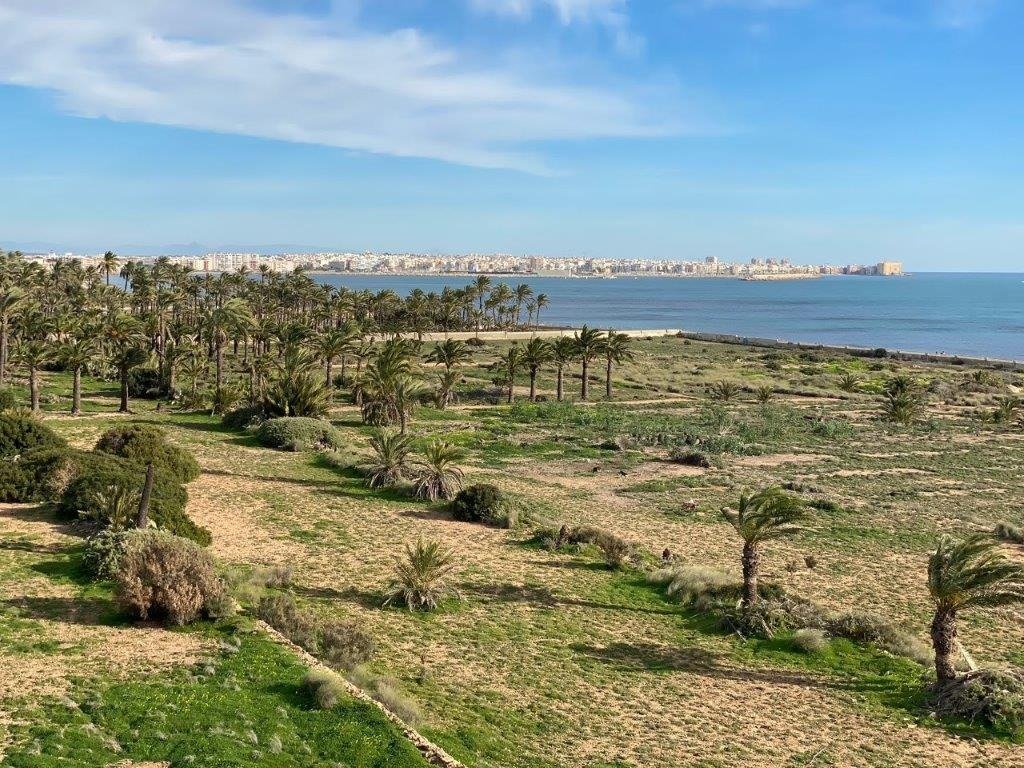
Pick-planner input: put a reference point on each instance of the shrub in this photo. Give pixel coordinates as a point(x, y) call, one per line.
point(165, 576)
point(94, 474)
point(767, 617)
point(145, 382)
point(700, 585)
point(480, 503)
point(102, 555)
point(690, 457)
point(390, 455)
point(726, 391)
point(421, 579)
point(282, 613)
point(327, 688)
point(386, 690)
point(8, 399)
point(871, 629)
point(146, 444)
point(993, 697)
point(1009, 532)
point(810, 640)
point(614, 549)
point(298, 433)
point(345, 644)
point(244, 417)
point(20, 432)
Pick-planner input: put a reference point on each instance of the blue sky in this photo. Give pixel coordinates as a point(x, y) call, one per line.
point(819, 130)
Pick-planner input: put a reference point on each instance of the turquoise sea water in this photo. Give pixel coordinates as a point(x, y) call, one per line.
point(967, 314)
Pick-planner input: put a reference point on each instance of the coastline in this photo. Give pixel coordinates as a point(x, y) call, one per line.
point(746, 341)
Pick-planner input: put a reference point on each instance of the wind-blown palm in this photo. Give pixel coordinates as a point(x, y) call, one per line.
point(760, 517)
point(588, 343)
point(616, 351)
point(536, 353)
point(11, 299)
point(967, 573)
point(563, 352)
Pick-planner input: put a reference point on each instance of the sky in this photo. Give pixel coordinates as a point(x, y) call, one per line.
point(824, 131)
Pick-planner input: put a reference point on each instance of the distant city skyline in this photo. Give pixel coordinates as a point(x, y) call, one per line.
point(853, 131)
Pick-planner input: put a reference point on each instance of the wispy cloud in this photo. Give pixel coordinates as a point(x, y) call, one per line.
point(611, 14)
point(220, 65)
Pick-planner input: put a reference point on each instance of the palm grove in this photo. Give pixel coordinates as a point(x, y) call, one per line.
point(269, 349)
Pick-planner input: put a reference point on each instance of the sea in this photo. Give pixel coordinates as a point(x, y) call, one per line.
point(971, 314)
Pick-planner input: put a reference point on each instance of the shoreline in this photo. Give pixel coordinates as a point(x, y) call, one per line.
point(745, 341)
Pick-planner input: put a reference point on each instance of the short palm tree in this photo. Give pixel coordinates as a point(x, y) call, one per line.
point(760, 517)
point(391, 452)
point(75, 354)
point(507, 367)
point(422, 576)
point(446, 383)
point(588, 344)
point(32, 353)
point(967, 573)
point(616, 351)
point(449, 353)
point(536, 353)
point(439, 476)
point(725, 391)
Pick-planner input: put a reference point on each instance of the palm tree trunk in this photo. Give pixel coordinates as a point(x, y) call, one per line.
point(751, 560)
point(583, 387)
point(124, 391)
point(220, 366)
point(943, 632)
point(142, 518)
point(608, 380)
point(33, 388)
point(76, 392)
point(558, 385)
point(3, 352)
point(533, 385)
point(328, 372)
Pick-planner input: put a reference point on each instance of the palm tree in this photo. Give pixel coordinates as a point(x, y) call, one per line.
point(408, 390)
point(110, 262)
point(616, 351)
point(127, 355)
point(76, 354)
point(563, 352)
point(446, 383)
point(481, 286)
point(32, 353)
point(439, 477)
point(329, 345)
point(967, 573)
point(764, 516)
point(536, 353)
point(540, 302)
point(507, 367)
point(11, 298)
point(449, 353)
point(391, 451)
point(522, 292)
point(232, 315)
point(422, 575)
point(588, 343)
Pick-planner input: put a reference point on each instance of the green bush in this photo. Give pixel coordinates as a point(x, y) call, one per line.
point(145, 382)
point(480, 503)
point(144, 444)
point(244, 417)
point(96, 473)
point(103, 552)
point(20, 432)
point(8, 399)
point(810, 640)
point(298, 433)
point(327, 688)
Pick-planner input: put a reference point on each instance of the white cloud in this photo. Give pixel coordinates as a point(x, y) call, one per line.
point(221, 66)
point(611, 14)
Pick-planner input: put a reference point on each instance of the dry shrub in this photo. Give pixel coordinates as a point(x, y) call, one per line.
point(326, 687)
point(990, 696)
point(387, 691)
point(1009, 532)
point(614, 549)
point(810, 640)
point(342, 644)
point(165, 576)
point(872, 629)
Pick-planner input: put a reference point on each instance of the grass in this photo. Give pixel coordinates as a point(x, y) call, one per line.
point(552, 660)
point(246, 708)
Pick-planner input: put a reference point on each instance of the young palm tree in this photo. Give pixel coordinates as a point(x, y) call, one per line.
point(967, 573)
point(439, 476)
point(541, 302)
point(616, 351)
point(391, 452)
point(536, 353)
point(764, 516)
point(507, 367)
point(563, 352)
point(449, 353)
point(725, 391)
point(446, 383)
point(421, 579)
point(408, 391)
point(588, 342)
